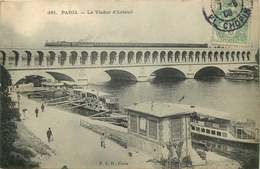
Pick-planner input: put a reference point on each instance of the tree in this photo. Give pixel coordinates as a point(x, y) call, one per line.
point(8, 115)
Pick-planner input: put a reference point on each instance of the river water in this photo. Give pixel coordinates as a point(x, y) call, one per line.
point(240, 99)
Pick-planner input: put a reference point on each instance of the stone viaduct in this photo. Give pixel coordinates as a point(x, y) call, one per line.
point(136, 62)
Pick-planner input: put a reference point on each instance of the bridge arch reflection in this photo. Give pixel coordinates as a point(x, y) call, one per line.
point(208, 72)
point(168, 73)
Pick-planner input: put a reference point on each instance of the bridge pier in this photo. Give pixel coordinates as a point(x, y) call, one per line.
point(144, 78)
point(190, 75)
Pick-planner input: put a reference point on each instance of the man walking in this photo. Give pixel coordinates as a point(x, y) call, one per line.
point(24, 113)
point(36, 112)
point(49, 135)
point(102, 139)
point(42, 107)
point(165, 155)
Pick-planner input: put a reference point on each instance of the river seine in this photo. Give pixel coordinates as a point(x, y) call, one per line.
point(239, 100)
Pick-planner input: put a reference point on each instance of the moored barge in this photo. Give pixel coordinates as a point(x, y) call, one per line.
point(240, 74)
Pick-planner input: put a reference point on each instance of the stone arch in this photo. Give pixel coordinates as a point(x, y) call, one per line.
point(191, 54)
point(183, 56)
point(177, 56)
point(147, 57)
point(3, 57)
point(73, 57)
point(93, 57)
point(29, 57)
point(46, 58)
point(248, 55)
point(243, 55)
point(139, 57)
point(162, 56)
point(33, 78)
point(233, 56)
point(210, 56)
point(227, 55)
point(17, 58)
point(112, 57)
point(121, 75)
point(238, 55)
point(26, 76)
point(209, 72)
point(197, 56)
point(63, 58)
point(204, 53)
point(155, 57)
point(170, 56)
point(221, 56)
point(121, 56)
point(52, 57)
point(84, 57)
point(216, 56)
point(23, 57)
point(103, 57)
point(168, 73)
point(40, 57)
point(130, 57)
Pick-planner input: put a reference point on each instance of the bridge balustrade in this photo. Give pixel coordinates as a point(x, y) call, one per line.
point(69, 58)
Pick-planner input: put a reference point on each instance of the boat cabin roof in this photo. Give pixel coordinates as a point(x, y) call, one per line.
point(208, 113)
point(162, 109)
point(240, 70)
point(159, 109)
point(94, 92)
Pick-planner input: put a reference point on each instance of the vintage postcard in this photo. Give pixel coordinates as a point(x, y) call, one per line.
point(129, 84)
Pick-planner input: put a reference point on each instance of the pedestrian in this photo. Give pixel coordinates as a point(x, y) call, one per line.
point(24, 113)
point(154, 154)
point(49, 135)
point(42, 107)
point(36, 112)
point(102, 139)
point(165, 155)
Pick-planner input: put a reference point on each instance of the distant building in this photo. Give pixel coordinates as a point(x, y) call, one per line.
point(152, 125)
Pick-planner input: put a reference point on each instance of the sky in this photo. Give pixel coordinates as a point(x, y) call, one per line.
point(28, 24)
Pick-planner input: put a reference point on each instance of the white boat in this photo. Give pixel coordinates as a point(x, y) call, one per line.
point(240, 74)
point(214, 124)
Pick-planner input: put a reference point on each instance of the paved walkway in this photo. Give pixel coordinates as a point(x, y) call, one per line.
point(78, 147)
point(75, 146)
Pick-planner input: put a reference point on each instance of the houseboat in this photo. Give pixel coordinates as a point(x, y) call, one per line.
point(94, 100)
point(240, 132)
point(240, 74)
point(214, 124)
point(211, 130)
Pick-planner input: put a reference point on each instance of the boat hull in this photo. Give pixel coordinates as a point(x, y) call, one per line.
point(227, 147)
